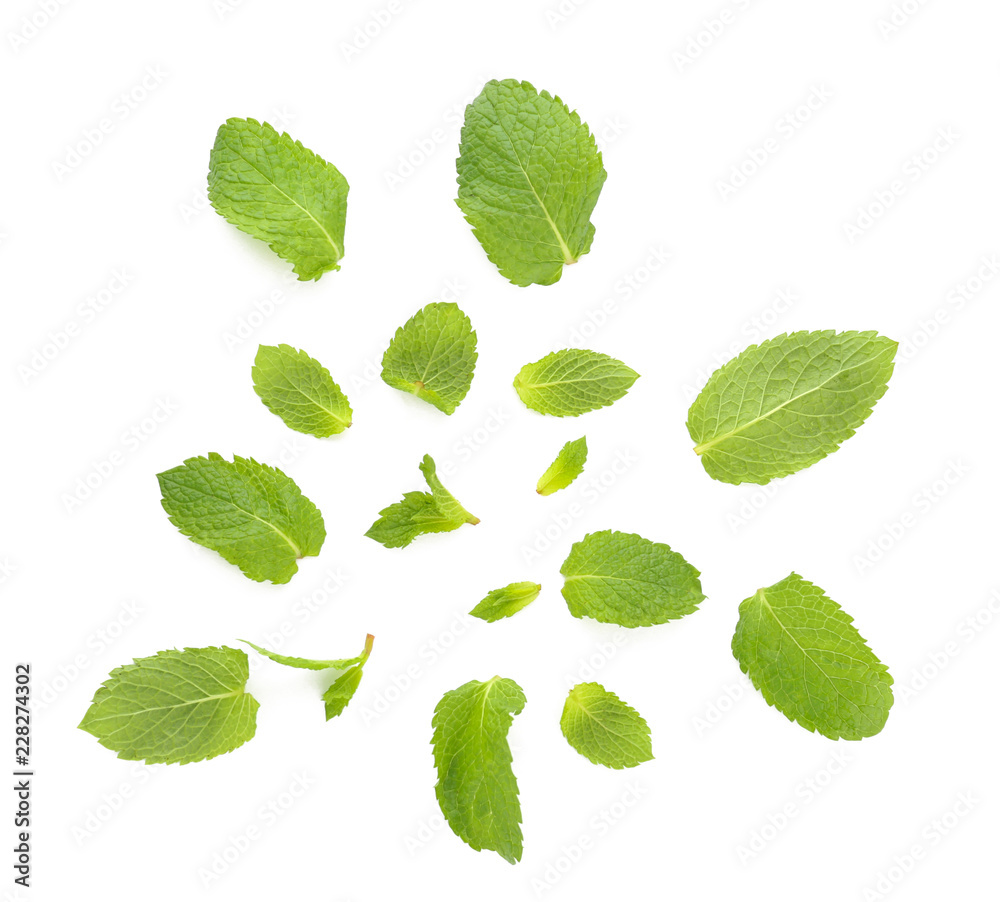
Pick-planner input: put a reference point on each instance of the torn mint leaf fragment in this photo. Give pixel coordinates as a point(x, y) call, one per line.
point(506, 602)
point(565, 468)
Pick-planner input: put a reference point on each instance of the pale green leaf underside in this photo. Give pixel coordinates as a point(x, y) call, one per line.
point(251, 514)
point(529, 176)
point(273, 188)
point(476, 787)
point(565, 468)
point(803, 653)
point(300, 391)
point(433, 356)
point(574, 381)
point(175, 707)
point(506, 602)
point(420, 513)
point(605, 730)
point(619, 577)
point(787, 403)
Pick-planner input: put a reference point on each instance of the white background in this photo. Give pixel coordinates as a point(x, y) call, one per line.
point(366, 826)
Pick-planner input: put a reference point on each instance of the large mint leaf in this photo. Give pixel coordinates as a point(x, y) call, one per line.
point(786, 403)
point(273, 188)
point(300, 390)
point(251, 514)
point(175, 707)
point(574, 381)
point(602, 728)
point(433, 356)
point(619, 577)
point(476, 787)
point(529, 175)
point(802, 651)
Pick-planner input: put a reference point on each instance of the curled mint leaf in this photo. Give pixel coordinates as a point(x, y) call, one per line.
point(476, 786)
point(175, 707)
point(787, 403)
point(253, 515)
point(300, 390)
point(565, 468)
point(602, 728)
point(433, 356)
point(574, 381)
point(529, 176)
point(273, 188)
point(341, 691)
point(420, 513)
point(619, 577)
point(506, 602)
point(804, 655)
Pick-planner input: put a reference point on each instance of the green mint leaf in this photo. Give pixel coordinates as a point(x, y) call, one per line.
point(787, 403)
point(476, 787)
point(274, 189)
point(420, 513)
point(619, 577)
point(251, 514)
point(175, 707)
point(300, 390)
point(565, 468)
point(311, 663)
point(568, 383)
point(339, 695)
point(602, 728)
point(506, 602)
point(805, 656)
point(433, 356)
point(529, 176)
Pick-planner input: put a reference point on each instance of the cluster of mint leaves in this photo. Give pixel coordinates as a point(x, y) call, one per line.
point(529, 178)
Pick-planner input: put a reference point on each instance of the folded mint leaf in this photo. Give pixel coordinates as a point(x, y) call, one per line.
point(433, 356)
point(602, 728)
point(300, 390)
point(506, 602)
point(565, 468)
point(568, 383)
point(311, 663)
point(529, 176)
point(805, 656)
point(787, 403)
point(253, 515)
point(619, 577)
point(476, 786)
point(420, 513)
point(273, 188)
point(175, 707)
point(337, 695)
